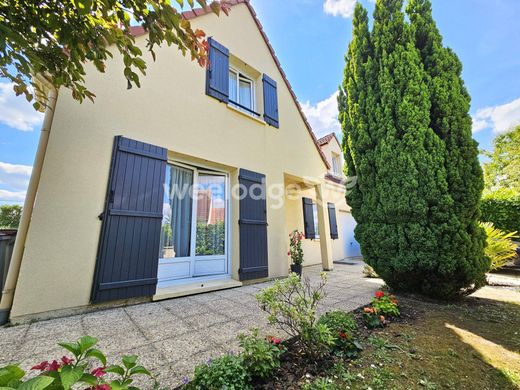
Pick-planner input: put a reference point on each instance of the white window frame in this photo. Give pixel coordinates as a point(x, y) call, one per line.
point(336, 164)
point(316, 220)
point(241, 76)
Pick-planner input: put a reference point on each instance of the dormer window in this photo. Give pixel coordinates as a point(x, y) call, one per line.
point(241, 90)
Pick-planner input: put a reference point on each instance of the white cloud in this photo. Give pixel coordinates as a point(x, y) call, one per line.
point(343, 8)
point(12, 196)
point(15, 111)
point(500, 118)
point(323, 116)
point(14, 179)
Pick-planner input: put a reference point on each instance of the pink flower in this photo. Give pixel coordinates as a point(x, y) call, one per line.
point(380, 294)
point(289, 253)
point(66, 360)
point(54, 366)
point(98, 372)
point(42, 366)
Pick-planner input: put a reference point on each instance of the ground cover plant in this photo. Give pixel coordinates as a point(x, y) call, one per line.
point(76, 371)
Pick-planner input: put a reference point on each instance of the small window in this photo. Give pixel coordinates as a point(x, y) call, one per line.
point(315, 217)
point(336, 164)
point(241, 91)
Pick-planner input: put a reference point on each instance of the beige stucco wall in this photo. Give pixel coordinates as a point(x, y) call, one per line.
point(170, 110)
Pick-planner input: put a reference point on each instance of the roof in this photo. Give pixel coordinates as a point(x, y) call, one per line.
point(139, 30)
point(327, 138)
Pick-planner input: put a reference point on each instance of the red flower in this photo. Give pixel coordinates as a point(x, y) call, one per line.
point(342, 335)
point(66, 360)
point(54, 366)
point(98, 372)
point(42, 366)
point(380, 294)
point(102, 387)
point(273, 340)
point(289, 253)
point(277, 341)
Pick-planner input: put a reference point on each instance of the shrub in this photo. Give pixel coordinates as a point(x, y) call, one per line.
point(385, 304)
point(291, 305)
point(71, 372)
point(502, 208)
point(261, 356)
point(226, 372)
point(343, 327)
point(500, 247)
point(372, 318)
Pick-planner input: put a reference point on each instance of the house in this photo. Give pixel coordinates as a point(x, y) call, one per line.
point(188, 184)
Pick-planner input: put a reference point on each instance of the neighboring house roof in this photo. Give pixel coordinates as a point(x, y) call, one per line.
point(327, 138)
point(139, 30)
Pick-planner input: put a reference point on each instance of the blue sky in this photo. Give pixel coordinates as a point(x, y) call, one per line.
point(310, 38)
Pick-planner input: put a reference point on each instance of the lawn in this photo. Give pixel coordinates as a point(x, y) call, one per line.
point(470, 344)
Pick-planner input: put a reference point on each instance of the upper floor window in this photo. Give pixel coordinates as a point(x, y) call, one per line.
point(336, 164)
point(241, 90)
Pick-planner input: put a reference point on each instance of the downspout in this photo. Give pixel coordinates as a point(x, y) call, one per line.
point(6, 301)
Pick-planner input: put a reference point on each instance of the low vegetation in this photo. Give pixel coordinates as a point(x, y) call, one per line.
point(500, 247)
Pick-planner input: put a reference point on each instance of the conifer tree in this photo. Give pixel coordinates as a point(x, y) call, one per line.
point(406, 215)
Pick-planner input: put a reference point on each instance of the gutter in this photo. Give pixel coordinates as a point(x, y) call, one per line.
point(6, 301)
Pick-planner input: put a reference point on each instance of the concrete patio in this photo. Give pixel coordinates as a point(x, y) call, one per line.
point(172, 336)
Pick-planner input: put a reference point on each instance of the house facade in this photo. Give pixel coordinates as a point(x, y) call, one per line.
point(190, 183)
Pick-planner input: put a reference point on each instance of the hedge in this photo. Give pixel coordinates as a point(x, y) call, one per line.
point(503, 210)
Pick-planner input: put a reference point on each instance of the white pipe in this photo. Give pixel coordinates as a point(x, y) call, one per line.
point(6, 301)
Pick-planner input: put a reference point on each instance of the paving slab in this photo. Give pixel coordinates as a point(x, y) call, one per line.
point(174, 335)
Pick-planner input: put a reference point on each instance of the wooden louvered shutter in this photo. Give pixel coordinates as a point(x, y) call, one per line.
point(253, 226)
point(308, 219)
point(128, 254)
point(270, 101)
point(217, 73)
point(332, 221)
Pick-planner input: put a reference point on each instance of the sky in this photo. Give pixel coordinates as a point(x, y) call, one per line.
point(310, 38)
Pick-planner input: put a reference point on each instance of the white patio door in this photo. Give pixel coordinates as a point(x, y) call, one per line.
point(194, 230)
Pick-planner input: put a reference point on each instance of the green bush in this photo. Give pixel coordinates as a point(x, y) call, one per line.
point(261, 356)
point(502, 209)
point(291, 305)
point(75, 372)
point(10, 216)
point(385, 304)
point(343, 327)
point(500, 247)
point(226, 372)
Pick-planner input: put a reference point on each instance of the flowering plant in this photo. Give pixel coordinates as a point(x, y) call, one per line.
point(386, 304)
point(261, 355)
point(69, 372)
point(373, 319)
point(295, 245)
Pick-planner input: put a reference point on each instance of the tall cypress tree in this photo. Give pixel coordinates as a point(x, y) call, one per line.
point(402, 202)
point(450, 119)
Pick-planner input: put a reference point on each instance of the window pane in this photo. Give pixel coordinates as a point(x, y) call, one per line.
point(177, 204)
point(233, 79)
point(211, 215)
point(315, 216)
point(245, 97)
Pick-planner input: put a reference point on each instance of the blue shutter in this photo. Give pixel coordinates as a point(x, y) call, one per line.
point(308, 219)
point(332, 221)
point(128, 254)
point(253, 226)
point(270, 101)
point(217, 73)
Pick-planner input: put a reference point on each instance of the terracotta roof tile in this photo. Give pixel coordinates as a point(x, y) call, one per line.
point(139, 30)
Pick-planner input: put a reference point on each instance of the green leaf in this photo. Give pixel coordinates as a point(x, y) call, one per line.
point(87, 342)
point(88, 378)
point(38, 383)
point(96, 353)
point(72, 347)
point(117, 385)
point(115, 369)
point(10, 373)
point(129, 361)
point(140, 370)
point(83, 6)
point(70, 375)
